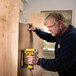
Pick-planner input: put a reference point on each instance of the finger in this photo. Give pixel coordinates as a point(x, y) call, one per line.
point(28, 56)
point(29, 24)
point(30, 28)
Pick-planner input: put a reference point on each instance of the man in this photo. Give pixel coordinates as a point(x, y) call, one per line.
point(65, 49)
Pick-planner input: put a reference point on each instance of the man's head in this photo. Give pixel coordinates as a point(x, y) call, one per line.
point(54, 22)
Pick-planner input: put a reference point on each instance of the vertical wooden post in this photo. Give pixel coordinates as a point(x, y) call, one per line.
point(9, 20)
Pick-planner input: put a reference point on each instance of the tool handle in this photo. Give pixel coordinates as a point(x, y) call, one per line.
point(22, 64)
point(30, 66)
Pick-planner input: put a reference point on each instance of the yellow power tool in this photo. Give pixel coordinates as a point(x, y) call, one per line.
point(31, 52)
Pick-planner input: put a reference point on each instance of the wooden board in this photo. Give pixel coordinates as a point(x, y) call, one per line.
point(24, 36)
point(29, 39)
point(9, 19)
point(24, 42)
point(38, 21)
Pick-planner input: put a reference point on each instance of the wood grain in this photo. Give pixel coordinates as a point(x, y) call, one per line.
point(9, 19)
point(24, 42)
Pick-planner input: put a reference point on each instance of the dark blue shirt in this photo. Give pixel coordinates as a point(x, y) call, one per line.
point(65, 52)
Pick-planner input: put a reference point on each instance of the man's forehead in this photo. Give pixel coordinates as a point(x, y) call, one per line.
point(50, 21)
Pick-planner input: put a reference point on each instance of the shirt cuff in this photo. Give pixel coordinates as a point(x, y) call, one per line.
point(39, 62)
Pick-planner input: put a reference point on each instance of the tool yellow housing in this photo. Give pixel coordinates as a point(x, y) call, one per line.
point(29, 51)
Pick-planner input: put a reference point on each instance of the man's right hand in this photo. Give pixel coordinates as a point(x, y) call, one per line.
point(31, 27)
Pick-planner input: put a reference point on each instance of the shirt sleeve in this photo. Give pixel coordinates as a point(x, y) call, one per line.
point(64, 61)
point(45, 36)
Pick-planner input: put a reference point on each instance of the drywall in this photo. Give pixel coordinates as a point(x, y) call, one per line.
point(74, 13)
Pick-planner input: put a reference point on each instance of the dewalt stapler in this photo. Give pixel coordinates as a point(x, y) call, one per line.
point(24, 52)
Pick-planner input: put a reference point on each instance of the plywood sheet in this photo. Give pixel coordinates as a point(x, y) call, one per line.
point(9, 19)
point(38, 21)
point(28, 39)
point(24, 36)
point(24, 42)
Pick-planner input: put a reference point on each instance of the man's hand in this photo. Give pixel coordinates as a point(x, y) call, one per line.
point(31, 27)
point(32, 60)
